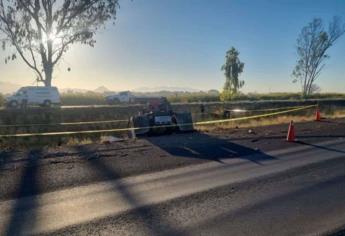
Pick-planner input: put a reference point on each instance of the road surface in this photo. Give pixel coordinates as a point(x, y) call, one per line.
point(292, 191)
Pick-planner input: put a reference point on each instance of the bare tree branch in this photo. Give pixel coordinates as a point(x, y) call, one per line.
point(42, 31)
point(312, 46)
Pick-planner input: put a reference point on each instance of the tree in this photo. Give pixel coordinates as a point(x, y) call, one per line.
point(232, 68)
point(42, 31)
point(2, 100)
point(312, 45)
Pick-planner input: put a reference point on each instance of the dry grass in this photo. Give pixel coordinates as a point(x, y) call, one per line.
point(266, 121)
point(30, 142)
point(77, 141)
point(338, 114)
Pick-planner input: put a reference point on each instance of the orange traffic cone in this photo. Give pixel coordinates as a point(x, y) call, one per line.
point(317, 115)
point(291, 133)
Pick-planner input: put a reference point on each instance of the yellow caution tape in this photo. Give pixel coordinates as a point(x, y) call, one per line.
point(259, 110)
point(65, 123)
point(254, 117)
point(166, 126)
point(124, 120)
point(239, 110)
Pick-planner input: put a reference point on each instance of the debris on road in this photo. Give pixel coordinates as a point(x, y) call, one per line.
point(110, 139)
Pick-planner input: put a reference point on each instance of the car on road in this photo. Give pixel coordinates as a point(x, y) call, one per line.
point(121, 97)
point(34, 95)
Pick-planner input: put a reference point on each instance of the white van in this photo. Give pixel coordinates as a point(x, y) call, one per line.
point(121, 97)
point(43, 96)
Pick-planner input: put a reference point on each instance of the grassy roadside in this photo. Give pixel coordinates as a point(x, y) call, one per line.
point(79, 139)
point(267, 121)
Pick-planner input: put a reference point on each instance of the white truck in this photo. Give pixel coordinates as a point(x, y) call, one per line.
point(121, 97)
point(31, 96)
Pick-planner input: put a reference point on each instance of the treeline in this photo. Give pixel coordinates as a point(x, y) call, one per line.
point(2, 99)
point(70, 98)
point(93, 98)
point(181, 96)
point(197, 97)
point(286, 96)
point(82, 98)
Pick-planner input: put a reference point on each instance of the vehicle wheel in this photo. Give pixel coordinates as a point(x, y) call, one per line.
point(47, 103)
point(13, 104)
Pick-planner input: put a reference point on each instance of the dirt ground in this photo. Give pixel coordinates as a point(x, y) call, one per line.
point(28, 172)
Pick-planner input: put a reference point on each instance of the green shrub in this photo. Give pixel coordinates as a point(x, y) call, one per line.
point(227, 95)
point(277, 96)
point(194, 97)
point(269, 96)
point(328, 95)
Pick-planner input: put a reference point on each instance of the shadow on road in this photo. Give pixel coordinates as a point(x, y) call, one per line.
point(206, 147)
point(192, 145)
point(143, 215)
point(320, 147)
point(5, 157)
point(288, 206)
point(91, 150)
point(19, 221)
point(283, 137)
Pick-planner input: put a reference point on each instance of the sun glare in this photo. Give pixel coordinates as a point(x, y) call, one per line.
point(50, 37)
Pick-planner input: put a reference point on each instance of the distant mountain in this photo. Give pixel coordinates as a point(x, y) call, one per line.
point(73, 90)
point(101, 89)
point(166, 88)
point(143, 91)
point(6, 88)
point(105, 90)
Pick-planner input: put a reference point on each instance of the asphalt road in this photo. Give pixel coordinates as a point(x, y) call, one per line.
point(292, 191)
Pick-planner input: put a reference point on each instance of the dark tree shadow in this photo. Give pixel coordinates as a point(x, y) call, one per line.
point(206, 147)
point(89, 151)
point(11, 157)
point(5, 157)
point(324, 120)
point(144, 215)
point(282, 137)
point(20, 221)
point(201, 146)
point(321, 147)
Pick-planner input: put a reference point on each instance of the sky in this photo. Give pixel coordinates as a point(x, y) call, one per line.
point(182, 43)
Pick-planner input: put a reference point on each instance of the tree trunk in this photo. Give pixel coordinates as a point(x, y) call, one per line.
point(48, 71)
